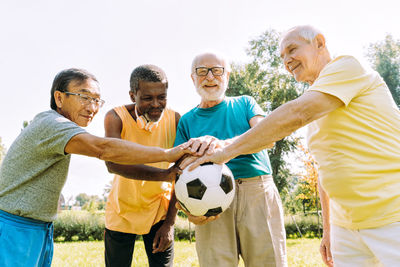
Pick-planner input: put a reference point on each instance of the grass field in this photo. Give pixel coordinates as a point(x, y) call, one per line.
point(301, 252)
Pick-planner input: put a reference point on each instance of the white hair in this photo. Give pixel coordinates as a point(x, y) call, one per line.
point(217, 54)
point(306, 32)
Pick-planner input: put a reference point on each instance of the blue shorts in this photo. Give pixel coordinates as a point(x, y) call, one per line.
point(24, 241)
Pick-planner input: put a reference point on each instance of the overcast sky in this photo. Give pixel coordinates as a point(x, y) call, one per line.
point(110, 38)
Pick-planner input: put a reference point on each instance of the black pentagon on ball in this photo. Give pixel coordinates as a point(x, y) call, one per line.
point(213, 212)
point(226, 183)
point(206, 163)
point(196, 189)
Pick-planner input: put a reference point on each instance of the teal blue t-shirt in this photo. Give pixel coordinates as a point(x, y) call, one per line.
point(226, 120)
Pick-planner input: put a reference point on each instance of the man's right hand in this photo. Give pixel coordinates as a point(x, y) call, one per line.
point(198, 220)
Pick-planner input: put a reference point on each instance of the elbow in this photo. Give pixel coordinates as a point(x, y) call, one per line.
point(110, 167)
point(104, 152)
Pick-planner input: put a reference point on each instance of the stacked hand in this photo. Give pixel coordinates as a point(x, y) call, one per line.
point(204, 149)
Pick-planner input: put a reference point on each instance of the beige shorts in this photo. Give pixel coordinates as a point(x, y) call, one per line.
point(251, 227)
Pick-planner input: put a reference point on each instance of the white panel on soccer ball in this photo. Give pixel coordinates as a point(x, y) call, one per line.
point(213, 197)
point(180, 190)
point(196, 207)
point(228, 200)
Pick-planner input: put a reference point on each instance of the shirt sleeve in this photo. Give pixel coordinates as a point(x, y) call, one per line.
point(56, 133)
point(253, 109)
point(343, 78)
point(181, 134)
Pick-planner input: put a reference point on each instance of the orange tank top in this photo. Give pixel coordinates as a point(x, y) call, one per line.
point(134, 206)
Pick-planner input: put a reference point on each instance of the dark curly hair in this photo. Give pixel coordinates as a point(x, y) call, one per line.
point(147, 73)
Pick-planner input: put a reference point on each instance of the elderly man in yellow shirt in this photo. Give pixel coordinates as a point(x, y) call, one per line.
point(353, 133)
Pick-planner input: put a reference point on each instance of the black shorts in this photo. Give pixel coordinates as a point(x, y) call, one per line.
point(119, 249)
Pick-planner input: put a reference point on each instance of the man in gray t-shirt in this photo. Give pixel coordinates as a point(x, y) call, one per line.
point(35, 168)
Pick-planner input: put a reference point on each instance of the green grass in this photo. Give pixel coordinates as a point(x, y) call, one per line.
point(301, 252)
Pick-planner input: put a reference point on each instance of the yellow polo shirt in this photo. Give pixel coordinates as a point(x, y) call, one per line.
point(357, 146)
point(134, 206)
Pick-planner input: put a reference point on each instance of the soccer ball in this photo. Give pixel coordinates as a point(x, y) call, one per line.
point(207, 190)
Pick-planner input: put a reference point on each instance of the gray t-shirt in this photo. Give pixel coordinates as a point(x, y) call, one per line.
point(35, 167)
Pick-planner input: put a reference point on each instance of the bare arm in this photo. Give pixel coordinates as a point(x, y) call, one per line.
point(325, 247)
point(113, 128)
point(280, 123)
point(207, 144)
point(283, 121)
point(121, 151)
point(253, 122)
point(165, 235)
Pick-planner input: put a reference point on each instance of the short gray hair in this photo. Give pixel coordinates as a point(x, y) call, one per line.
point(306, 32)
point(218, 55)
point(147, 73)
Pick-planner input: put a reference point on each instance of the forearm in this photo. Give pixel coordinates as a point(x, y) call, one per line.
point(125, 152)
point(230, 141)
point(172, 210)
point(325, 208)
point(139, 172)
point(115, 150)
point(279, 124)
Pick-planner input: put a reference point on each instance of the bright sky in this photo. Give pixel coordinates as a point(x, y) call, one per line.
point(110, 38)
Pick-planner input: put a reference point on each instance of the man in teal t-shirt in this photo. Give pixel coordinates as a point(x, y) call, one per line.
point(252, 226)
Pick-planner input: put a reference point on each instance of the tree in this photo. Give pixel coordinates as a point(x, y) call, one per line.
point(90, 203)
point(82, 199)
point(307, 189)
point(266, 79)
point(385, 58)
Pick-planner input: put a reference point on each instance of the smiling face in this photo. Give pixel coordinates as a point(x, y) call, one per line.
point(210, 87)
point(303, 58)
point(151, 99)
point(71, 106)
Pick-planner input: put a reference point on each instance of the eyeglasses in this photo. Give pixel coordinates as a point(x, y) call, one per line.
point(216, 71)
point(87, 100)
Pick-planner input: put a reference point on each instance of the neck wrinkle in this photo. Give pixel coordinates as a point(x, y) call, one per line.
point(210, 104)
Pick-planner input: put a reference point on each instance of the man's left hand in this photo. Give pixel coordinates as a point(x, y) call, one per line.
point(163, 238)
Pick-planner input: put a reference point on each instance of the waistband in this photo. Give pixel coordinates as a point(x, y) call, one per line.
point(23, 221)
point(260, 178)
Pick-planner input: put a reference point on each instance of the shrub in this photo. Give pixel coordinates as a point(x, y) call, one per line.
point(87, 226)
point(78, 225)
point(308, 225)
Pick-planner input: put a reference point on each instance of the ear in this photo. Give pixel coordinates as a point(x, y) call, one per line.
point(320, 41)
point(59, 98)
point(191, 76)
point(132, 96)
point(227, 76)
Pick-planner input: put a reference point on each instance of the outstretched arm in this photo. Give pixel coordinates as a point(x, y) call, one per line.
point(113, 128)
point(281, 122)
point(121, 151)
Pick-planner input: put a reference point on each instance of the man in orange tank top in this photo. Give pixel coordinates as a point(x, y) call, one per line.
point(144, 203)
